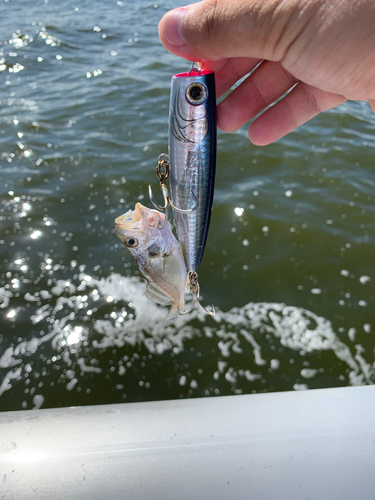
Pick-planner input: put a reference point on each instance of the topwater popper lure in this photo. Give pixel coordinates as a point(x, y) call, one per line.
point(191, 165)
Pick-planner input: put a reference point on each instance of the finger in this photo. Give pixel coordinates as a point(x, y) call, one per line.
point(372, 104)
point(266, 84)
point(299, 106)
point(231, 71)
point(222, 29)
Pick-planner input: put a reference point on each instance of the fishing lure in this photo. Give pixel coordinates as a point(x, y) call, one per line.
point(192, 160)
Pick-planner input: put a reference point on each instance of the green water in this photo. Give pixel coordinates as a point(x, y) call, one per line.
point(289, 260)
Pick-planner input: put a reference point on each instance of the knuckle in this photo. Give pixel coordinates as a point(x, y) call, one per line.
point(291, 113)
point(206, 19)
point(311, 99)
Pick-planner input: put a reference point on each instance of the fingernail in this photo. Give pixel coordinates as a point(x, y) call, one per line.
point(172, 26)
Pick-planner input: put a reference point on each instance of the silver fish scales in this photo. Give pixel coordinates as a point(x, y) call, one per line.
point(147, 235)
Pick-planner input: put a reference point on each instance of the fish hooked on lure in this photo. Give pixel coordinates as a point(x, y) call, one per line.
point(148, 237)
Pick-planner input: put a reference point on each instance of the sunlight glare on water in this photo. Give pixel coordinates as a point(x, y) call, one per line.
point(289, 258)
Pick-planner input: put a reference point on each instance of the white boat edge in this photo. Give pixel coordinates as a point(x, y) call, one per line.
point(316, 444)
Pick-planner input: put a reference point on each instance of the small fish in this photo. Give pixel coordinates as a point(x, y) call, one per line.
point(192, 157)
point(149, 238)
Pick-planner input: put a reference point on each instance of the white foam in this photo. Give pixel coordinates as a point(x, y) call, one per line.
point(7, 359)
point(351, 333)
point(5, 296)
point(140, 322)
point(364, 279)
point(88, 369)
point(309, 372)
point(11, 375)
point(38, 401)
point(300, 387)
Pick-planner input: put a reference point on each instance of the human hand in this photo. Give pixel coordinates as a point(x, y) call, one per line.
point(326, 48)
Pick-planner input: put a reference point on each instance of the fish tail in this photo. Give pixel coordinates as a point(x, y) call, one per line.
point(187, 288)
point(173, 313)
point(181, 308)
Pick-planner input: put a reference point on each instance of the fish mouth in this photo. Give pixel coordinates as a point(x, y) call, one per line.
point(140, 218)
point(131, 219)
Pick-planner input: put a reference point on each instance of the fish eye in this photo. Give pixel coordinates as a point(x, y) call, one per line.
point(196, 93)
point(131, 242)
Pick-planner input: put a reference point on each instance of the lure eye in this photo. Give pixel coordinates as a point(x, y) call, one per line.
point(131, 242)
point(196, 93)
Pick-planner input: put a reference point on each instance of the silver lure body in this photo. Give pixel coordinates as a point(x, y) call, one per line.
point(192, 157)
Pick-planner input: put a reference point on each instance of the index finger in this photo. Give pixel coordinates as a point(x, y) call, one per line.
point(230, 71)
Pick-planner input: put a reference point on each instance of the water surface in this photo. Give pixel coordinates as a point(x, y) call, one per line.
point(289, 260)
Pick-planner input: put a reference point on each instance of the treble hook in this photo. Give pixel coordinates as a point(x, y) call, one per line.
point(163, 161)
point(194, 285)
point(158, 207)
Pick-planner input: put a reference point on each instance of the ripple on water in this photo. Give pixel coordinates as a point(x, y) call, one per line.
point(84, 118)
point(80, 338)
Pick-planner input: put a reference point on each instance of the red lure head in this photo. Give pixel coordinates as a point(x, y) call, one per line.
point(193, 72)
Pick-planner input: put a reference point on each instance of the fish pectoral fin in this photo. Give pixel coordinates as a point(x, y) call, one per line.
point(155, 250)
point(156, 295)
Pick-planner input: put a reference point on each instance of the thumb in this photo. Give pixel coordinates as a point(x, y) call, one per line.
point(221, 29)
